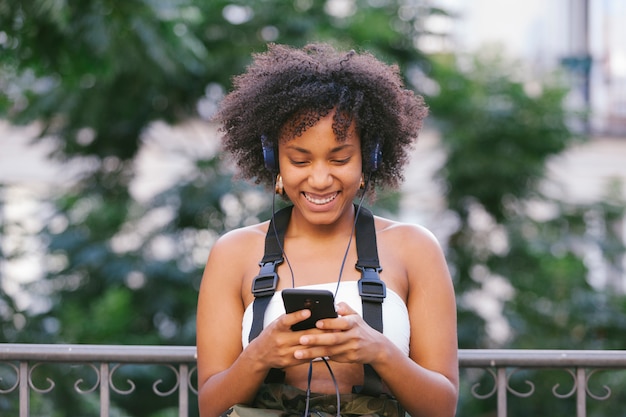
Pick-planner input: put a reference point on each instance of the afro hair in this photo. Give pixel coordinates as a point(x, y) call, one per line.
point(286, 90)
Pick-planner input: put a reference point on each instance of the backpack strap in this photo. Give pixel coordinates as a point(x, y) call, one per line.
point(372, 291)
point(264, 285)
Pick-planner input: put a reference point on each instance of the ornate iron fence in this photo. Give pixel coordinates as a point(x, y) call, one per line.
point(487, 374)
point(22, 364)
point(576, 368)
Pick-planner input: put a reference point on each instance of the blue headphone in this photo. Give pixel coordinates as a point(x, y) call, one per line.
point(271, 163)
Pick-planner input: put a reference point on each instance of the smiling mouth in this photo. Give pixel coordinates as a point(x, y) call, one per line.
point(320, 201)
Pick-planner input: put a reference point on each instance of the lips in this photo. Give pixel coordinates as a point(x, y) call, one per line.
point(320, 200)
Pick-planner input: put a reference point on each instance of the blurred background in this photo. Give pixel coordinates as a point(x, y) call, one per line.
point(113, 189)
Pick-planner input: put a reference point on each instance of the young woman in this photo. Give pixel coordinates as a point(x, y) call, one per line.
point(324, 128)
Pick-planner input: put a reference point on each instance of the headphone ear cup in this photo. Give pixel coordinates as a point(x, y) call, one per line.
point(269, 155)
point(376, 156)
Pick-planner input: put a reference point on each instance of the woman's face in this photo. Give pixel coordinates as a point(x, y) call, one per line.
point(321, 176)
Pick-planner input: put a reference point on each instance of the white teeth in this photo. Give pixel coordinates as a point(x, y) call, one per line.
point(320, 200)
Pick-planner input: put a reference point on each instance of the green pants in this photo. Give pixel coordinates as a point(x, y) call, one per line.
point(280, 400)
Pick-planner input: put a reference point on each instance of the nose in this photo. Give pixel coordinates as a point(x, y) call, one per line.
point(320, 176)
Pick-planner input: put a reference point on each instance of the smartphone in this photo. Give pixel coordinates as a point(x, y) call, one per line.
point(320, 302)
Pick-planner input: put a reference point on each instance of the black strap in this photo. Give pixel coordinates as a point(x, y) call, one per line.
point(372, 291)
point(264, 285)
point(371, 288)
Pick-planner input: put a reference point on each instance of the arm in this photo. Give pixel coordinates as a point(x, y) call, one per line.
point(219, 315)
point(426, 382)
point(222, 364)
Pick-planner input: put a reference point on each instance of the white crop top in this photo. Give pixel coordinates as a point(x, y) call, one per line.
point(396, 325)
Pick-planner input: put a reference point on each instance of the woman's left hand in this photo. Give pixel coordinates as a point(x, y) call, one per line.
point(351, 341)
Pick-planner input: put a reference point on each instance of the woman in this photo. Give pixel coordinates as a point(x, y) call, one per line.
point(323, 128)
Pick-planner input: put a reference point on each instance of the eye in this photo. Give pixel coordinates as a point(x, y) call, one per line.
point(298, 163)
point(341, 161)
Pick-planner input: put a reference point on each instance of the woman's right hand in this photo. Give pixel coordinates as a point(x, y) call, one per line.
point(276, 344)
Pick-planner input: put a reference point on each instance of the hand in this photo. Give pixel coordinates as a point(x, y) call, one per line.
point(276, 344)
point(350, 339)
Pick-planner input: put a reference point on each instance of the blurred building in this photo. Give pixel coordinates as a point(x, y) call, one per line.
point(585, 38)
point(596, 59)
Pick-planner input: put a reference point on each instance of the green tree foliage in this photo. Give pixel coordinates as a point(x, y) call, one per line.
point(495, 127)
point(514, 245)
point(497, 137)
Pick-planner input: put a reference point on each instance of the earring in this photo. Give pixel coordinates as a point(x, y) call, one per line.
point(362, 183)
point(279, 185)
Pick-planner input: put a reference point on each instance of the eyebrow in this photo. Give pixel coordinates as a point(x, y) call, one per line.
point(333, 150)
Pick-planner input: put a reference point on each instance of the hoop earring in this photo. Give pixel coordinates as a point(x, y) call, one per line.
point(279, 189)
point(362, 183)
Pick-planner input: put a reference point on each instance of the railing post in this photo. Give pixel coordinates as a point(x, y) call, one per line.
point(24, 397)
point(105, 397)
point(502, 391)
point(183, 391)
point(581, 393)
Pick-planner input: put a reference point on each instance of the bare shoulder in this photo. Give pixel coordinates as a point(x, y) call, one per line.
point(411, 256)
point(239, 241)
point(247, 231)
point(234, 252)
point(405, 235)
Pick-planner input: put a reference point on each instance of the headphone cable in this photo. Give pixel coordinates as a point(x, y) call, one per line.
point(356, 216)
point(308, 388)
point(280, 245)
point(343, 263)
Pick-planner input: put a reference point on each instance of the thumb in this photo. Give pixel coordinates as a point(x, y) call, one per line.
point(344, 309)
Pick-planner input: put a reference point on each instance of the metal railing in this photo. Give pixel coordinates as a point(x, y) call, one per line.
point(580, 365)
point(21, 373)
point(103, 363)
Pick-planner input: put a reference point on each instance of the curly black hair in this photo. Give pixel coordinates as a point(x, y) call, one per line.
point(286, 90)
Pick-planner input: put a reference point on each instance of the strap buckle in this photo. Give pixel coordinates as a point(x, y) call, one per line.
point(264, 285)
point(371, 287)
point(266, 282)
